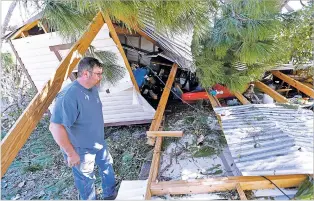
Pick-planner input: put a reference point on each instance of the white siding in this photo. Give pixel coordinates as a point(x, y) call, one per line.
point(122, 104)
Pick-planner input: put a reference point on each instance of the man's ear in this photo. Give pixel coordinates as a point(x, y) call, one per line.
point(84, 73)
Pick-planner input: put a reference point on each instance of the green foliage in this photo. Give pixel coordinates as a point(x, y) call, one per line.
point(204, 151)
point(112, 72)
point(70, 17)
point(306, 190)
point(241, 45)
point(128, 150)
point(33, 168)
point(297, 34)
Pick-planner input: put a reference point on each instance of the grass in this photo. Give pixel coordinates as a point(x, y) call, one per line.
point(127, 145)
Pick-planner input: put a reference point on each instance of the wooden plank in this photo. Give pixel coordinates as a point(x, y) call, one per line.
point(154, 168)
point(241, 98)
point(213, 100)
point(266, 89)
point(225, 184)
point(19, 133)
point(162, 103)
point(24, 28)
point(117, 41)
point(241, 192)
point(43, 26)
point(294, 83)
point(164, 133)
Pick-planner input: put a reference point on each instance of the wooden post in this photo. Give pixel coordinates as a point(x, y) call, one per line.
point(162, 103)
point(154, 168)
point(19, 133)
point(275, 95)
point(294, 83)
point(118, 43)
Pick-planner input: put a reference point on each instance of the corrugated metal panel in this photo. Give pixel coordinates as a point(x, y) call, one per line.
point(175, 46)
point(269, 139)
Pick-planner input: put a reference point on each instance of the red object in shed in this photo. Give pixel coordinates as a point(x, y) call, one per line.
point(193, 96)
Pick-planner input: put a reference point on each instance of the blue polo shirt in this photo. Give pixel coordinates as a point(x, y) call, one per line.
point(79, 110)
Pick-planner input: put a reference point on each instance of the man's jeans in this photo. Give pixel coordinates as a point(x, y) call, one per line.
point(84, 176)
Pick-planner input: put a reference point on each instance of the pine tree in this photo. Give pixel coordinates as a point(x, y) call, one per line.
point(240, 45)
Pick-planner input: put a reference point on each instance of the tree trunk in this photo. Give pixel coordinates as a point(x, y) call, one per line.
point(8, 17)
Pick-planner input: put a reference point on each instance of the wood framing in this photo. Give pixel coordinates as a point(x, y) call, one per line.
point(21, 130)
point(154, 168)
point(43, 26)
point(241, 98)
point(25, 28)
point(294, 83)
point(213, 100)
point(241, 192)
point(164, 133)
point(308, 84)
point(55, 49)
point(119, 46)
point(266, 89)
point(162, 103)
point(225, 184)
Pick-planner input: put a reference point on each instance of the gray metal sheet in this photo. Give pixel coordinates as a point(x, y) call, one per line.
point(267, 139)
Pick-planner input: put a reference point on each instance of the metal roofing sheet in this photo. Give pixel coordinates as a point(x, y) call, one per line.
point(269, 139)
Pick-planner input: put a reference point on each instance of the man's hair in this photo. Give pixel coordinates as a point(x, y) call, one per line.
point(87, 63)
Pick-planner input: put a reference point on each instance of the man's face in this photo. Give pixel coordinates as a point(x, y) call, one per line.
point(95, 75)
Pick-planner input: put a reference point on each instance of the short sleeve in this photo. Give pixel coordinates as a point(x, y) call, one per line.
point(65, 111)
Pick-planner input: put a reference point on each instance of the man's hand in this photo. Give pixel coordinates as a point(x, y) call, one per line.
point(73, 159)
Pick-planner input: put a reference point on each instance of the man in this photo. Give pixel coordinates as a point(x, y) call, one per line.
point(77, 126)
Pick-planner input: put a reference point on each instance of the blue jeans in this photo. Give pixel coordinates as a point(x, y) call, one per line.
point(84, 176)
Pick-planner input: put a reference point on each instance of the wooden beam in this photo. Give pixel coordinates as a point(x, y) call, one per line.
point(24, 28)
point(294, 83)
point(241, 192)
point(164, 133)
point(308, 84)
point(43, 26)
point(117, 42)
point(266, 89)
point(225, 184)
point(213, 100)
point(162, 103)
point(241, 98)
point(24, 34)
point(21, 130)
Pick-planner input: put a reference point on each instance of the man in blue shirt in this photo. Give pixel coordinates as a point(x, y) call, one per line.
point(77, 126)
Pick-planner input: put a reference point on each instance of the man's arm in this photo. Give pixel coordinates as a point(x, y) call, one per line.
point(60, 135)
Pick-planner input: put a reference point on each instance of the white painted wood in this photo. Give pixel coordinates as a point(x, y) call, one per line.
point(123, 103)
point(132, 190)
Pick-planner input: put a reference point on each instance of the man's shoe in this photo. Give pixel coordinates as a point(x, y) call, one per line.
point(113, 197)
